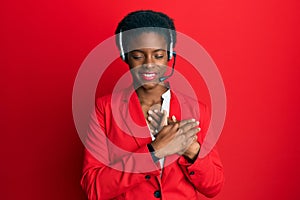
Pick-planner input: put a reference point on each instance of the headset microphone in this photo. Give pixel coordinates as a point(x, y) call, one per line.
point(163, 78)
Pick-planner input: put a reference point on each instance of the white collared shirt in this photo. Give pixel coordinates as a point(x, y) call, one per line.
point(166, 98)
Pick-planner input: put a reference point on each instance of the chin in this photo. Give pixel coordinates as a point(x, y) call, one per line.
point(149, 85)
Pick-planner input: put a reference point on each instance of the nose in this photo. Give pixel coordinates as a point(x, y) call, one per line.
point(148, 62)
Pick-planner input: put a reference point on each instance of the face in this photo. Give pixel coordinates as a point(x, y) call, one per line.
point(148, 59)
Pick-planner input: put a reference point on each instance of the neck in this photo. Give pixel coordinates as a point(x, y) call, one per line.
point(151, 96)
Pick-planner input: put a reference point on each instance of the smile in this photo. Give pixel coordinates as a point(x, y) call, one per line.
point(148, 76)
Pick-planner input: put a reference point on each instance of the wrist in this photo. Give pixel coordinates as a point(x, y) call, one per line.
point(192, 153)
point(152, 152)
point(157, 150)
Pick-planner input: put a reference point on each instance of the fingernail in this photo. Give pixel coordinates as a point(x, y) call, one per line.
point(150, 112)
point(156, 111)
point(198, 129)
point(149, 118)
point(193, 120)
point(197, 122)
point(174, 118)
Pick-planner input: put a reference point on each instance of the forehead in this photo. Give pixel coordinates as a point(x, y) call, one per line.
point(151, 40)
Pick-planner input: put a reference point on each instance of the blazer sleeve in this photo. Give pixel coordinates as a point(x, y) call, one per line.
point(103, 179)
point(206, 174)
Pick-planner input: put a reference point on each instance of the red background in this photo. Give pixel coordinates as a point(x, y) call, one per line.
point(254, 43)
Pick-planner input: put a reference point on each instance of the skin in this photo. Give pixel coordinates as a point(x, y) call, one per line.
point(159, 119)
point(148, 62)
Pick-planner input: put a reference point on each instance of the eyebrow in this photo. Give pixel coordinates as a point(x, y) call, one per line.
point(156, 50)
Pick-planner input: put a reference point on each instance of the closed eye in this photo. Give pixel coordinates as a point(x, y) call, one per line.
point(159, 56)
point(137, 57)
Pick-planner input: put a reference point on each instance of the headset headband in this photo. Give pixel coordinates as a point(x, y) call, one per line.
point(122, 48)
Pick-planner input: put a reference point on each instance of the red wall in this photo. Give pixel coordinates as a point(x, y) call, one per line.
point(254, 43)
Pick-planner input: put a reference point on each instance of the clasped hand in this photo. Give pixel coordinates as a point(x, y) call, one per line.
point(172, 136)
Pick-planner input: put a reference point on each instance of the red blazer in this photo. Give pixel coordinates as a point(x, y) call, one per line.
point(118, 165)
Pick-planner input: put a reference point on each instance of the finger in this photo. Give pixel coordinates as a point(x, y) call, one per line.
point(192, 133)
point(155, 112)
point(157, 116)
point(195, 138)
point(170, 121)
point(174, 128)
point(153, 122)
point(164, 120)
point(189, 126)
point(186, 121)
point(174, 118)
point(155, 107)
point(152, 128)
point(167, 129)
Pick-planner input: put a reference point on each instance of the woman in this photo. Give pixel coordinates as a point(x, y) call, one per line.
point(158, 159)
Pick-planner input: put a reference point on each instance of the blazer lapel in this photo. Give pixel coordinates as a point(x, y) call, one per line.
point(133, 118)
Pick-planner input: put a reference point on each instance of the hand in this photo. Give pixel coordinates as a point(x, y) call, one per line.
point(158, 119)
point(175, 138)
point(193, 150)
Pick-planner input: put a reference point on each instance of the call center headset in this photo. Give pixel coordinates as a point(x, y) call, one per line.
point(170, 55)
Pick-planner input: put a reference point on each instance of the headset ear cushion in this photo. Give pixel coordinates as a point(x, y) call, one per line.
point(170, 52)
point(171, 55)
point(124, 57)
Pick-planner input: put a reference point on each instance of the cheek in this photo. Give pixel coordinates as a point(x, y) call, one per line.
point(164, 69)
point(134, 69)
point(164, 65)
point(132, 65)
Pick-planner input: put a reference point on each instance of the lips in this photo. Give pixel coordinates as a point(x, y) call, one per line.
point(148, 76)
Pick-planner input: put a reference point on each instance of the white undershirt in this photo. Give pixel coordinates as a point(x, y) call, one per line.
point(166, 97)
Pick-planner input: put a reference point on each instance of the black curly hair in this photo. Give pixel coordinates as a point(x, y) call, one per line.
point(146, 21)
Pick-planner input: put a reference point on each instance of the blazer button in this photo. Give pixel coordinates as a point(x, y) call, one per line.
point(192, 173)
point(157, 194)
point(147, 177)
